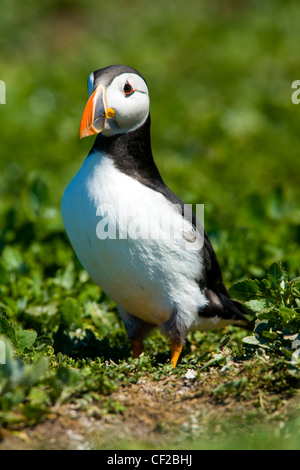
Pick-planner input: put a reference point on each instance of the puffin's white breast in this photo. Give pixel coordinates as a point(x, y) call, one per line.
point(129, 239)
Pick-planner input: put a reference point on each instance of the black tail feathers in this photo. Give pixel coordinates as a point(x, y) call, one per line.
point(222, 305)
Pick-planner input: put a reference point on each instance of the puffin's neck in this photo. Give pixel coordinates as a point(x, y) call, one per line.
point(131, 153)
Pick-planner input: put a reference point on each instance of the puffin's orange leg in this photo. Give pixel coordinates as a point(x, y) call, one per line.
point(137, 348)
point(175, 353)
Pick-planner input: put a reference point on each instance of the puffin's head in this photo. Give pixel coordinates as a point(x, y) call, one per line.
point(118, 103)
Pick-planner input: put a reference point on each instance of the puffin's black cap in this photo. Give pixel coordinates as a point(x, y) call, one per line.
point(107, 74)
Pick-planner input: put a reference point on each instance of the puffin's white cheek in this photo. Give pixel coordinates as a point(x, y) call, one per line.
point(127, 118)
point(131, 112)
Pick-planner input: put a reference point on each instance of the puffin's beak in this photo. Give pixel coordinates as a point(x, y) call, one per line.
point(95, 113)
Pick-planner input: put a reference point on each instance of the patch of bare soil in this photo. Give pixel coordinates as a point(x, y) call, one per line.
point(148, 415)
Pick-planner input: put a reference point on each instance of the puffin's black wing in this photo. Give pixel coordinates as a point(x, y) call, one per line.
point(215, 291)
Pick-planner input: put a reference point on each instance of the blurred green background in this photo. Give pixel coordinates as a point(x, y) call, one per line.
point(224, 129)
point(225, 133)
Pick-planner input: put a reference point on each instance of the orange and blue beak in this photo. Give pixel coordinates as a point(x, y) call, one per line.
point(95, 113)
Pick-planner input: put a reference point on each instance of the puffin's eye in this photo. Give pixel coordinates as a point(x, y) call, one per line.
point(128, 89)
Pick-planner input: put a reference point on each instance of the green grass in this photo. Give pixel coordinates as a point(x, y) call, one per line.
point(225, 133)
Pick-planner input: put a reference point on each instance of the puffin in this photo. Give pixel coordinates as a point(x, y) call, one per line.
point(136, 238)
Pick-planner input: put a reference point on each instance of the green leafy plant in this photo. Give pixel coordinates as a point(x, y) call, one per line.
point(275, 303)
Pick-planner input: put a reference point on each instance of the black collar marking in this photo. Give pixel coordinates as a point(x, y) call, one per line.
point(132, 155)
